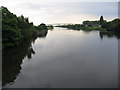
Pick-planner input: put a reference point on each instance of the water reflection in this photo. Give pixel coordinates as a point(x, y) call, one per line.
point(65, 59)
point(109, 34)
point(87, 32)
point(12, 59)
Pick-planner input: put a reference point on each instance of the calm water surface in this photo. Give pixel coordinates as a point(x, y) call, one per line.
point(63, 59)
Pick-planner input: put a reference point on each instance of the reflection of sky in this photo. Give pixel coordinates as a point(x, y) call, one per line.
point(71, 59)
point(62, 12)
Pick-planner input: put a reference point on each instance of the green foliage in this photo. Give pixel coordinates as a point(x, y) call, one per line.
point(104, 24)
point(114, 25)
point(101, 25)
point(101, 20)
point(11, 33)
point(50, 27)
point(91, 23)
point(42, 26)
point(15, 29)
point(27, 29)
point(87, 28)
point(71, 26)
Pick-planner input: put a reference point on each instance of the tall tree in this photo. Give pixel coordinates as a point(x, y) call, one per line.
point(101, 20)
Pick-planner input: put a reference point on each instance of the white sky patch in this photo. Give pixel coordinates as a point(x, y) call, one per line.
point(40, 11)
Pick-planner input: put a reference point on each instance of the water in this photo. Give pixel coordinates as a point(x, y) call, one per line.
point(63, 58)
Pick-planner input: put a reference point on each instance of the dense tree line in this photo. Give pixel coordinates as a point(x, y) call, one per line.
point(113, 25)
point(101, 25)
point(16, 29)
point(42, 26)
point(50, 27)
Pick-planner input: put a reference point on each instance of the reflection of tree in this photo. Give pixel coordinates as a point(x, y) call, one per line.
point(109, 34)
point(30, 52)
point(12, 60)
point(86, 32)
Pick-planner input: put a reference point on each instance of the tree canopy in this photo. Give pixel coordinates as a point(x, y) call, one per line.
point(15, 29)
point(101, 20)
point(101, 25)
point(42, 26)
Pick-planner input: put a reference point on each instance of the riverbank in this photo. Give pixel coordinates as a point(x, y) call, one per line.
point(16, 29)
point(95, 25)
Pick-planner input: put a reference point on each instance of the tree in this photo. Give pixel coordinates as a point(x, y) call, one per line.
point(114, 25)
point(42, 26)
point(101, 20)
point(15, 29)
point(11, 34)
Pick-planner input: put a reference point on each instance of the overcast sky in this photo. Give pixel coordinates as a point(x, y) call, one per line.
point(42, 11)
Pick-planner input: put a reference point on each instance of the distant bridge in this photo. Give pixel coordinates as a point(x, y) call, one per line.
point(57, 24)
